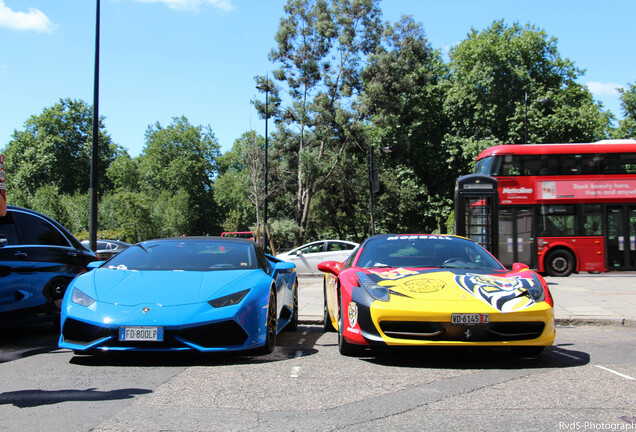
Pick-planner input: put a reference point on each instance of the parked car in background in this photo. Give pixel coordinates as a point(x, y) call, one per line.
point(307, 256)
point(207, 294)
point(38, 259)
point(107, 248)
point(435, 290)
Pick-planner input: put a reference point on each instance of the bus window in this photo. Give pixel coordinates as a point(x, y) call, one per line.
point(550, 164)
point(556, 220)
point(571, 165)
point(510, 166)
point(592, 164)
point(619, 163)
point(531, 165)
point(592, 220)
point(484, 166)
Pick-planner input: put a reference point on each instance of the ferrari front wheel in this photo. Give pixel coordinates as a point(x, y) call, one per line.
point(326, 317)
point(345, 348)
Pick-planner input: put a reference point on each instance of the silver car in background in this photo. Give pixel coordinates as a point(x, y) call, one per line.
point(307, 256)
point(107, 248)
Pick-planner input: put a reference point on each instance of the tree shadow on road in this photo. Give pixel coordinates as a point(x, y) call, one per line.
point(34, 398)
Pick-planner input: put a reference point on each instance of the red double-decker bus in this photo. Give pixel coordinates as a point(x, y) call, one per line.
point(565, 208)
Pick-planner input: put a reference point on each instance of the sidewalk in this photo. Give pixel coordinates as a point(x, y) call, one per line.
point(601, 299)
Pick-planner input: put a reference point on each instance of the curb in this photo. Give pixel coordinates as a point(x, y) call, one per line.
point(610, 322)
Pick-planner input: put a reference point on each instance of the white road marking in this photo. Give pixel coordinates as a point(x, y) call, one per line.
point(617, 373)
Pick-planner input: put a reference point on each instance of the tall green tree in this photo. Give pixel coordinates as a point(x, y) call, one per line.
point(627, 126)
point(177, 167)
point(124, 173)
point(55, 149)
point(321, 46)
point(130, 216)
point(239, 187)
point(502, 72)
point(403, 99)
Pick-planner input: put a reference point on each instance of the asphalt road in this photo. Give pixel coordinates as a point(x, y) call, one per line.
point(585, 381)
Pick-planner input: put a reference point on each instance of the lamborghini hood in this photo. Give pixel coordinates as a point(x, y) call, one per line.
point(167, 288)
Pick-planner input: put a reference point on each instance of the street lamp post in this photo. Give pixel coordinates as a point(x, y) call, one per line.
point(374, 183)
point(371, 189)
point(525, 122)
point(265, 87)
point(95, 156)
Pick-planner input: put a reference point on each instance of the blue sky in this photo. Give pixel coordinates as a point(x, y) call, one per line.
point(197, 58)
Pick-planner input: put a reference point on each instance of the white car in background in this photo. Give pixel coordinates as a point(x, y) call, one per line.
point(107, 248)
point(307, 256)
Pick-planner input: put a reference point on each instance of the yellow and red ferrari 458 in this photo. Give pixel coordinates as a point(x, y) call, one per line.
point(434, 290)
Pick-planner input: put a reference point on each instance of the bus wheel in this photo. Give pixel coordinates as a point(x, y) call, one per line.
point(559, 263)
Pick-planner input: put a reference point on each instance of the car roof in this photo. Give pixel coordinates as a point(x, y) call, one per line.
point(415, 236)
point(33, 212)
point(43, 216)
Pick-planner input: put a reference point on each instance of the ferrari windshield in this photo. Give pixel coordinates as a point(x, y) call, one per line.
point(425, 251)
point(186, 255)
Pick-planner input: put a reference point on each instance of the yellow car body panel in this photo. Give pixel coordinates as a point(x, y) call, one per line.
point(434, 297)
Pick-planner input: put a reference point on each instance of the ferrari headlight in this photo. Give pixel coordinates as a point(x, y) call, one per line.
point(82, 298)
point(376, 291)
point(536, 290)
point(229, 300)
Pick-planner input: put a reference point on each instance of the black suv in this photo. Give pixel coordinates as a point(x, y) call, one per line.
point(38, 259)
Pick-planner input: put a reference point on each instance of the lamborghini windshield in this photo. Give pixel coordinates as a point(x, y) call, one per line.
point(425, 251)
point(185, 255)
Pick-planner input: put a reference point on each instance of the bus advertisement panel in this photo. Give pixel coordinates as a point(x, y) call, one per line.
point(523, 190)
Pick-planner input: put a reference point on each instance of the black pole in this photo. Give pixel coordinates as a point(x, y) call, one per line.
point(95, 156)
point(265, 176)
point(525, 123)
point(371, 189)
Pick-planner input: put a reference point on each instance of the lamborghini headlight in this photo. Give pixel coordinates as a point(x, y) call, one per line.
point(229, 300)
point(376, 291)
point(82, 298)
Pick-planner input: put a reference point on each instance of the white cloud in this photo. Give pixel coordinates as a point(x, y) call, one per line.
point(224, 5)
point(606, 89)
point(33, 20)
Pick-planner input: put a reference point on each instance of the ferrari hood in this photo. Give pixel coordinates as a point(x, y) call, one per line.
point(505, 292)
point(167, 288)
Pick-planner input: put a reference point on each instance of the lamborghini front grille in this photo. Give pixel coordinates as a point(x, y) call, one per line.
point(224, 333)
